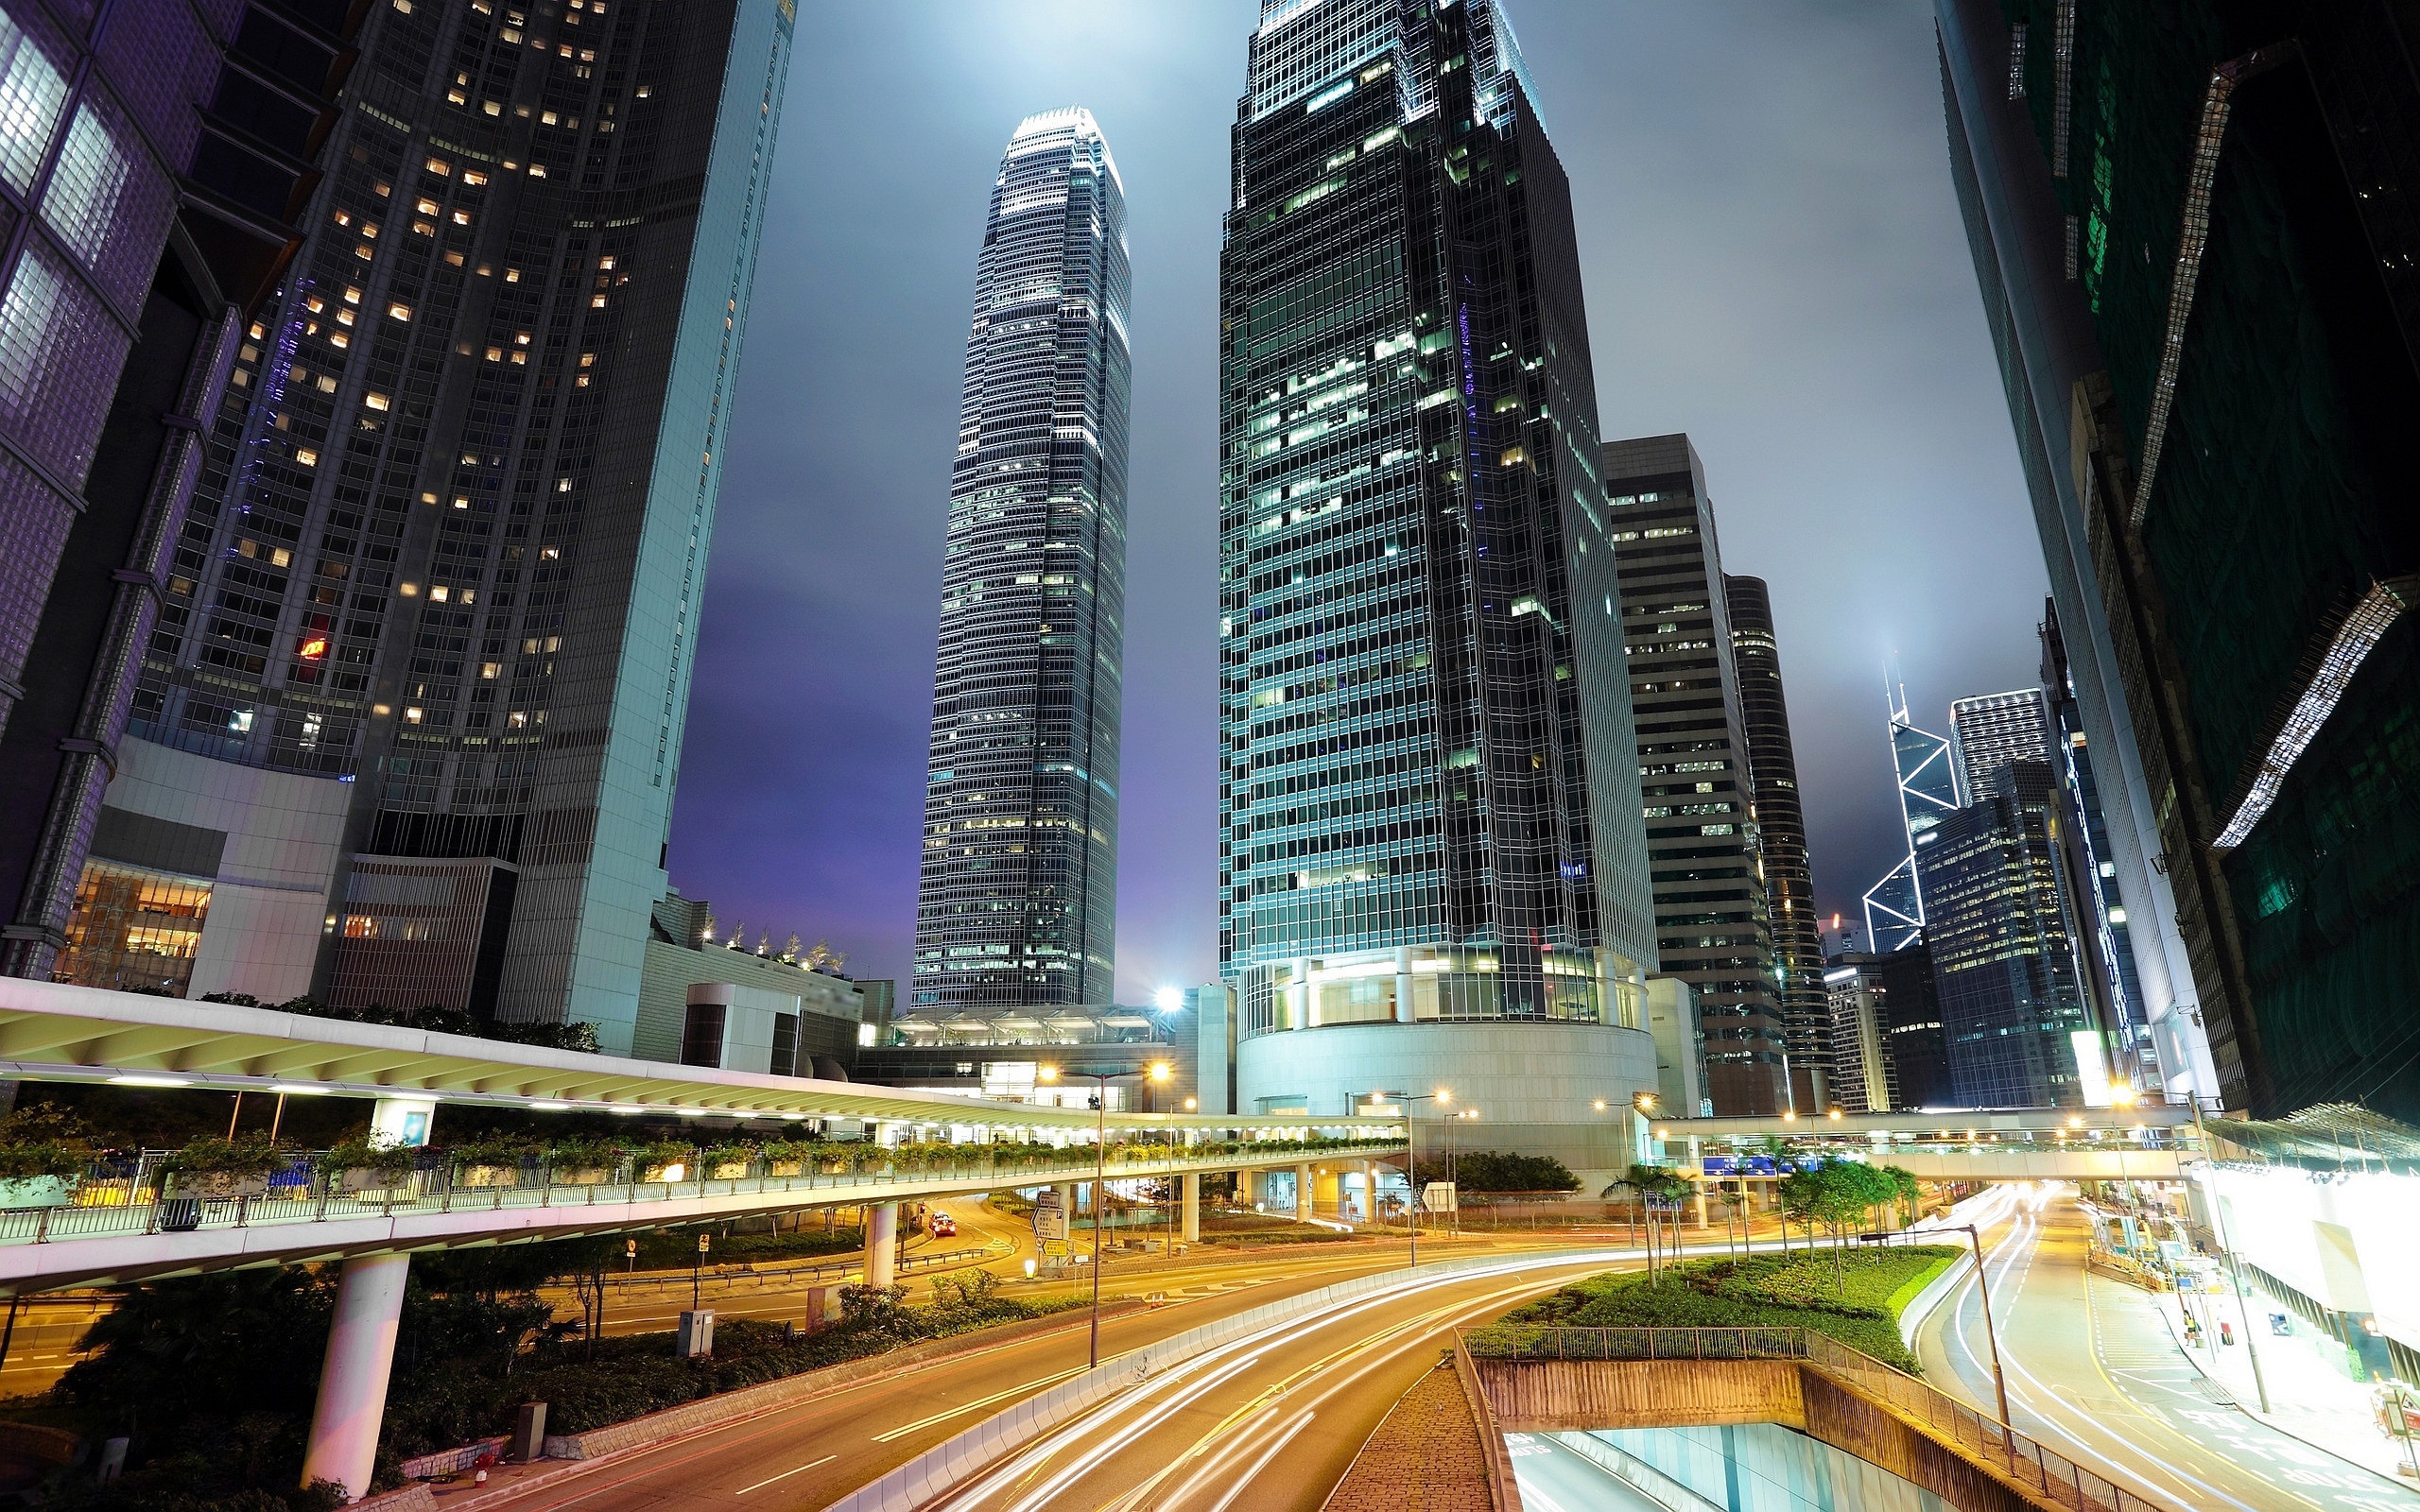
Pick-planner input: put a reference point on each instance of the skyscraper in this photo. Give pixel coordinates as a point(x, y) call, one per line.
point(2003, 949)
point(1994, 730)
point(1927, 775)
point(155, 158)
point(1781, 836)
point(1017, 902)
point(2105, 935)
point(2191, 234)
point(410, 724)
point(1433, 870)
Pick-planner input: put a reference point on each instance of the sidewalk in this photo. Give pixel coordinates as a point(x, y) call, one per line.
point(2310, 1397)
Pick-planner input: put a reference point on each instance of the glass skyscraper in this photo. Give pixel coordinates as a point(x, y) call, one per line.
point(155, 159)
point(1017, 901)
point(409, 724)
point(1995, 729)
point(1428, 770)
point(1781, 843)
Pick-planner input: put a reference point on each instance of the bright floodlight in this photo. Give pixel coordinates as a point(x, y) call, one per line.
point(1047, 1073)
point(1159, 1071)
point(1168, 1000)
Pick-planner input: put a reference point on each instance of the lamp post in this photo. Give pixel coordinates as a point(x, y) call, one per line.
point(1158, 1072)
point(1443, 1097)
point(1983, 1281)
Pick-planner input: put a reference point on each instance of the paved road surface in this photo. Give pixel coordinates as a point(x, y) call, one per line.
point(2092, 1371)
point(1265, 1427)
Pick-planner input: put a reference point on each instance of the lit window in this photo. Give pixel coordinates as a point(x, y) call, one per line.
point(440, 166)
point(411, 716)
point(399, 312)
point(439, 593)
point(474, 178)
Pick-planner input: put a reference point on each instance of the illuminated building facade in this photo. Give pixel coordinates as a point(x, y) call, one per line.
point(2192, 235)
point(1927, 775)
point(1994, 730)
point(1713, 927)
point(1781, 841)
point(2003, 949)
point(441, 574)
point(2105, 935)
point(1017, 902)
point(1433, 869)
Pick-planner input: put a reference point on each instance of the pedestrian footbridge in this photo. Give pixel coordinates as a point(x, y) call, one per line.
point(2144, 1142)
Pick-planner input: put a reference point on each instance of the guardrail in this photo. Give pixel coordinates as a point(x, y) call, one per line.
point(134, 1205)
point(1983, 1437)
point(732, 1279)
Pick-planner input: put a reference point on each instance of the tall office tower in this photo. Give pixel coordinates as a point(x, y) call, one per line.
point(1017, 904)
point(2199, 280)
point(1994, 730)
point(1712, 919)
point(154, 158)
point(2105, 935)
point(1928, 774)
point(1433, 870)
point(1862, 1074)
point(410, 727)
point(2003, 949)
point(1780, 833)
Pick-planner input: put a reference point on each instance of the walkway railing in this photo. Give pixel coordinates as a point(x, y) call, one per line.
point(130, 1200)
point(1983, 1437)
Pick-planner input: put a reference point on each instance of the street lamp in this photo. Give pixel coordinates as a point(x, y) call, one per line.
point(1983, 1281)
point(1158, 1072)
point(1443, 1097)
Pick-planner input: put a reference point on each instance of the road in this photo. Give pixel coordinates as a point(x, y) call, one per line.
point(2093, 1371)
point(1267, 1425)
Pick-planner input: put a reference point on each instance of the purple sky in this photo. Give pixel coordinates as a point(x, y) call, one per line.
point(1774, 265)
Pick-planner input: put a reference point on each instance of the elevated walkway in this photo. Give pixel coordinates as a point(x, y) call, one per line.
point(2150, 1143)
point(1554, 1379)
point(49, 1249)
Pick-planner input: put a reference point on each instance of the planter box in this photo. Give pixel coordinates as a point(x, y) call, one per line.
point(503, 1176)
point(786, 1168)
point(218, 1185)
point(36, 1192)
point(373, 1182)
point(587, 1176)
point(731, 1170)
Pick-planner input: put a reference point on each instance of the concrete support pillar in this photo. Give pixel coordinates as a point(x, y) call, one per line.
point(1302, 1192)
point(1191, 1232)
point(1402, 983)
point(402, 1120)
point(353, 1376)
point(1297, 995)
point(882, 1243)
point(1370, 1191)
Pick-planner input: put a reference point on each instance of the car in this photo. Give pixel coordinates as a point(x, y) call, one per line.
point(944, 1225)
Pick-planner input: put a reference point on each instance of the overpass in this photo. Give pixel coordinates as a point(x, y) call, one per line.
point(2147, 1142)
point(51, 1032)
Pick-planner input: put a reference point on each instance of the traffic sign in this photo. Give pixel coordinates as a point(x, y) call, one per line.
point(1049, 1217)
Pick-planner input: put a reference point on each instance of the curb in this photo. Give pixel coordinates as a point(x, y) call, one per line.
point(2264, 1420)
point(574, 1454)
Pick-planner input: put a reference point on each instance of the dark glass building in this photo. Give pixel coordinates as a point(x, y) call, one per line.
point(409, 726)
point(2193, 234)
point(2104, 935)
point(155, 159)
point(1781, 836)
point(1889, 1050)
point(1017, 902)
point(1432, 869)
point(1712, 921)
point(2003, 948)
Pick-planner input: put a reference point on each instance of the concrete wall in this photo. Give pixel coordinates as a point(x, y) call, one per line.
point(1534, 1085)
point(269, 898)
point(828, 1006)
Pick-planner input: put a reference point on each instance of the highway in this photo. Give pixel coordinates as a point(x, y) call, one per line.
point(1268, 1424)
point(2092, 1371)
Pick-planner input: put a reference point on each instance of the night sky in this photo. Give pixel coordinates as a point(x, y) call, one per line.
point(1774, 263)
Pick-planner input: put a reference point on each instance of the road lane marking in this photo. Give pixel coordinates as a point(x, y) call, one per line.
point(905, 1429)
point(785, 1475)
point(1258, 1465)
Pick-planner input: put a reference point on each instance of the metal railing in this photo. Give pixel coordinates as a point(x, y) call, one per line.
point(124, 1197)
point(1978, 1434)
